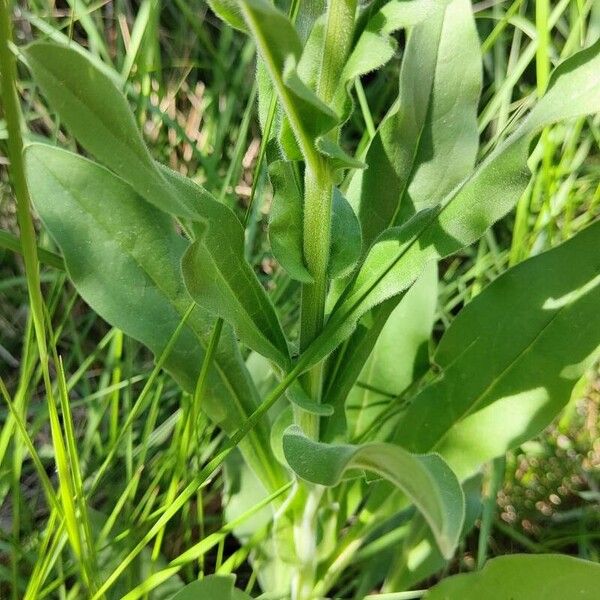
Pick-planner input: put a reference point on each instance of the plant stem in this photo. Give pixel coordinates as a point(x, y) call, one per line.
point(12, 115)
point(318, 195)
point(319, 180)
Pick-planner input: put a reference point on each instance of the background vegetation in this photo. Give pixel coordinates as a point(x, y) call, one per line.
point(191, 85)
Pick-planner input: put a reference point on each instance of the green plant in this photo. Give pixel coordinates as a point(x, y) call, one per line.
point(362, 233)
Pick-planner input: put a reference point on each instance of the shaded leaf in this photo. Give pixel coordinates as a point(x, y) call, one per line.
point(220, 279)
point(287, 224)
point(228, 11)
point(523, 577)
point(400, 356)
point(510, 359)
point(286, 221)
point(425, 479)
point(300, 398)
point(346, 237)
point(123, 257)
point(212, 587)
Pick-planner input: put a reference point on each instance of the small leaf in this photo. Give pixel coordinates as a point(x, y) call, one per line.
point(375, 46)
point(280, 48)
point(523, 577)
point(425, 479)
point(346, 240)
point(287, 224)
point(286, 221)
point(300, 398)
point(511, 358)
point(229, 11)
point(98, 114)
point(339, 158)
point(219, 279)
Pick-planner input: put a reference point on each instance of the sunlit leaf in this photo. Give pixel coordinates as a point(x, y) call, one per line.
point(510, 359)
point(523, 577)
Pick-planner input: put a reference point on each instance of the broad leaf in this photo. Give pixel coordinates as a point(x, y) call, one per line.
point(428, 143)
point(400, 356)
point(524, 577)
point(425, 479)
point(220, 279)
point(400, 253)
point(511, 358)
point(98, 114)
point(212, 587)
point(123, 256)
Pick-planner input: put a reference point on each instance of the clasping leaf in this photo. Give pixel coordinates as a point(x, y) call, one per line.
point(425, 479)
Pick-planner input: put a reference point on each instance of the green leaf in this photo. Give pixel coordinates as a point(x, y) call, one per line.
point(229, 11)
point(400, 356)
point(286, 221)
point(511, 358)
point(98, 114)
point(219, 278)
point(524, 577)
point(419, 558)
point(212, 587)
point(123, 256)
point(425, 479)
point(346, 240)
point(428, 143)
point(286, 227)
point(307, 116)
point(300, 398)
point(400, 254)
point(281, 48)
point(375, 44)
point(346, 364)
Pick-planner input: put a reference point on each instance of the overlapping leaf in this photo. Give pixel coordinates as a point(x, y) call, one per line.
point(425, 479)
point(400, 356)
point(98, 114)
point(123, 256)
point(511, 358)
point(400, 253)
point(220, 280)
point(287, 224)
point(428, 142)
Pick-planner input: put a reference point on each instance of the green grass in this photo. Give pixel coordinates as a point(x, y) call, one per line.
point(101, 463)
